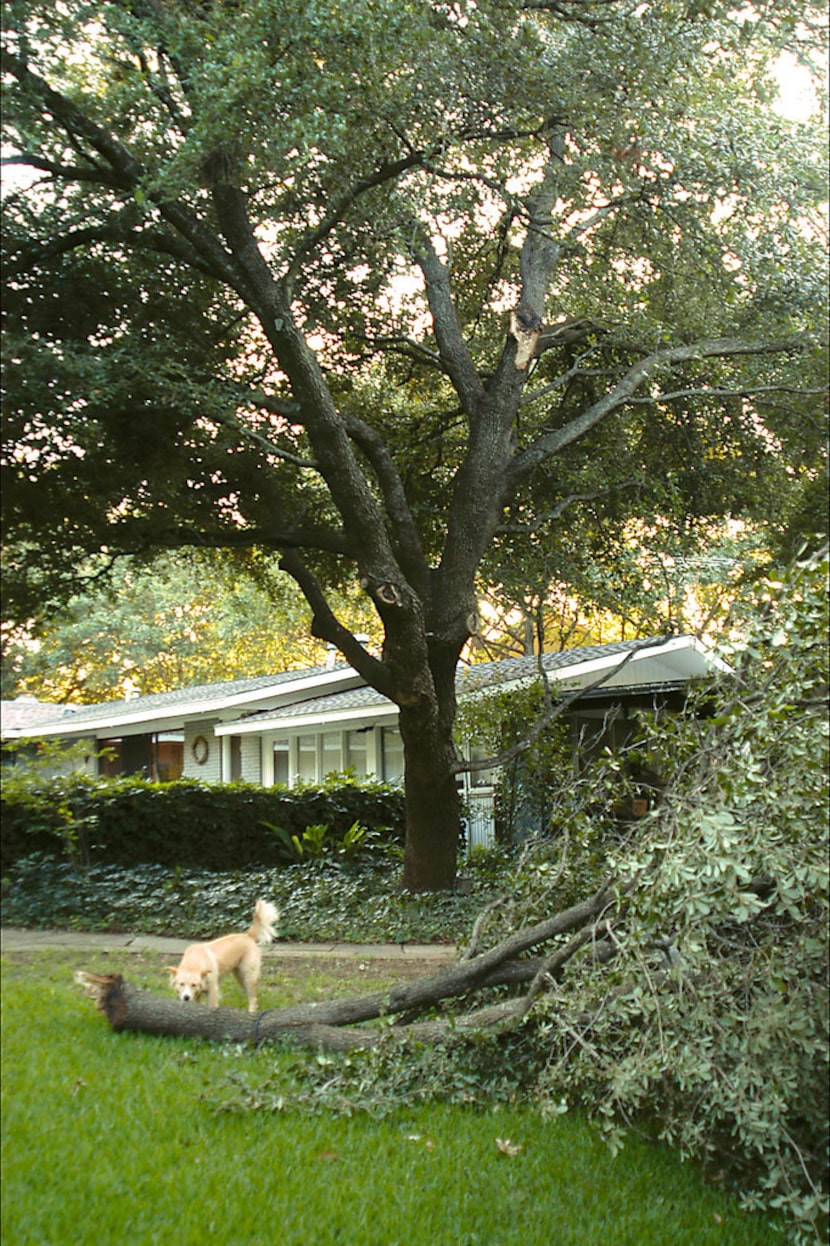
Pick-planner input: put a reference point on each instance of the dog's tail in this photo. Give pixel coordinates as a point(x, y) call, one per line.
point(261, 929)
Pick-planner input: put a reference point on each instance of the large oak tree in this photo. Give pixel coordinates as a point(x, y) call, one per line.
point(385, 287)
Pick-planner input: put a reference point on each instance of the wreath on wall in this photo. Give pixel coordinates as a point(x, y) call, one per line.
point(201, 750)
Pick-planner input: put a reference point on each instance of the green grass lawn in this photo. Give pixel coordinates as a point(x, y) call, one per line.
point(113, 1139)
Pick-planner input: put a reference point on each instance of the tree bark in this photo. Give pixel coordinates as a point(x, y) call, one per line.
point(130, 1008)
point(432, 803)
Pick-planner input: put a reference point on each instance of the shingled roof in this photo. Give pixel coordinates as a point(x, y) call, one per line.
point(315, 695)
point(629, 666)
point(25, 713)
point(175, 707)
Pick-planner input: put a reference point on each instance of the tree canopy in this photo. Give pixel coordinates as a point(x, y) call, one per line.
point(402, 292)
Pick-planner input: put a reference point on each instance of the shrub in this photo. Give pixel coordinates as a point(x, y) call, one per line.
point(130, 821)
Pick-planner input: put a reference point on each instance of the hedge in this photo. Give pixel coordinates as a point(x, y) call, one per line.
point(185, 823)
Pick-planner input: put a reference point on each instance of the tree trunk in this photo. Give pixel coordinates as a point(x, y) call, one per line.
point(432, 803)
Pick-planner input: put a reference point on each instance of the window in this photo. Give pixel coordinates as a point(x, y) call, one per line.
point(357, 752)
point(392, 754)
point(281, 761)
point(307, 758)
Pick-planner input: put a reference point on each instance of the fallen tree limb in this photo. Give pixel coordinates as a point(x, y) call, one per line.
point(553, 963)
point(128, 1007)
point(131, 1008)
point(321, 1024)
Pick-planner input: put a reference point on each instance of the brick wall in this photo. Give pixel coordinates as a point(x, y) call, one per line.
point(209, 770)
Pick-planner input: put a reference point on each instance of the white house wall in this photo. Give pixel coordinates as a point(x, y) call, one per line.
point(209, 770)
point(251, 759)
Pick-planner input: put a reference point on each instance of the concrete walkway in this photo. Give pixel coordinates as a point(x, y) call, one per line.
point(14, 939)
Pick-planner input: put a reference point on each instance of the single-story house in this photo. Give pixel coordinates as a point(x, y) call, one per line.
point(299, 726)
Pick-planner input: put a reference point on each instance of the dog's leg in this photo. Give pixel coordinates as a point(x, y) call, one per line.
point(247, 975)
point(213, 988)
point(253, 979)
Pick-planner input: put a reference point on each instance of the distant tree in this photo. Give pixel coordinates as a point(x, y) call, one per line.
point(370, 286)
point(186, 619)
point(652, 579)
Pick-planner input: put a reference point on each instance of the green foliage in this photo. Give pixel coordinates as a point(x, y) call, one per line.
point(40, 822)
point(148, 401)
point(190, 617)
point(333, 899)
point(218, 826)
point(711, 1027)
point(316, 841)
point(527, 785)
point(595, 581)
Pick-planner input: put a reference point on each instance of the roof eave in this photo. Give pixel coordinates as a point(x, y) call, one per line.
point(175, 716)
point(374, 715)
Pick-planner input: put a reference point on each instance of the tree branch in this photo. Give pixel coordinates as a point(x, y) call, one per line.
point(130, 235)
point(264, 443)
point(549, 445)
point(185, 536)
point(69, 172)
point(540, 250)
point(324, 423)
point(551, 964)
point(455, 354)
point(387, 172)
point(127, 170)
point(411, 553)
point(745, 391)
point(326, 626)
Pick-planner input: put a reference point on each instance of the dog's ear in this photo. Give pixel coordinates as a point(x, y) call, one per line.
point(172, 970)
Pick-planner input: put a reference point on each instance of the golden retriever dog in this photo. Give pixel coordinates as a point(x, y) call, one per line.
point(203, 965)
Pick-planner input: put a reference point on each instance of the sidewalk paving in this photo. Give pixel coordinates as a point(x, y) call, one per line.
point(14, 939)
